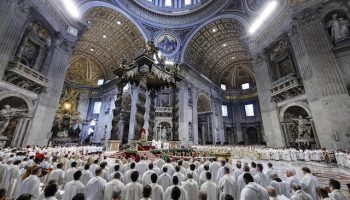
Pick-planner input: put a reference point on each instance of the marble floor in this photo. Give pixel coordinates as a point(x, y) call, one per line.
point(322, 171)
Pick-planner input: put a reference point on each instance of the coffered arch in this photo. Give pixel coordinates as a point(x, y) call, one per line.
point(109, 37)
point(216, 48)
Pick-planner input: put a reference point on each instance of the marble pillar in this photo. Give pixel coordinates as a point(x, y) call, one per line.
point(194, 116)
point(183, 113)
point(269, 111)
point(13, 16)
point(141, 101)
point(49, 99)
point(152, 114)
point(132, 125)
point(175, 119)
point(115, 133)
point(327, 94)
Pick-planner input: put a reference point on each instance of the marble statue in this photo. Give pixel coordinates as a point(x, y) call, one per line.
point(304, 128)
point(339, 27)
point(344, 27)
point(8, 113)
point(164, 134)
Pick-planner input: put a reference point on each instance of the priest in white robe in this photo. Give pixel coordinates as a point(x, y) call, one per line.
point(164, 179)
point(309, 183)
point(70, 172)
point(146, 178)
point(228, 185)
point(167, 193)
point(73, 187)
point(281, 187)
point(336, 193)
point(210, 187)
point(57, 175)
point(31, 185)
point(252, 190)
point(299, 194)
point(240, 181)
point(238, 171)
point(260, 178)
point(95, 187)
point(86, 175)
point(115, 185)
point(133, 190)
point(142, 166)
point(127, 175)
point(191, 187)
point(157, 190)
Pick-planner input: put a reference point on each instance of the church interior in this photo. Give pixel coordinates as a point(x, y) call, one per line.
point(219, 76)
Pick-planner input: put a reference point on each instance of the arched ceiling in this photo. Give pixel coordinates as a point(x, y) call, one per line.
point(110, 36)
point(217, 48)
point(234, 77)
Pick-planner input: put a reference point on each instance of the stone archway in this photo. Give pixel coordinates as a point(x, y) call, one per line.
point(204, 110)
point(16, 112)
point(252, 136)
point(289, 116)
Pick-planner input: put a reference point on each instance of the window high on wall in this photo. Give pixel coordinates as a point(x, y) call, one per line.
point(97, 107)
point(188, 2)
point(223, 87)
point(249, 110)
point(224, 110)
point(100, 82)
point(168, 2)
point(245, 86)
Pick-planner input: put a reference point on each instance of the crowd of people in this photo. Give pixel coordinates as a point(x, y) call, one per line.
point(77, 173)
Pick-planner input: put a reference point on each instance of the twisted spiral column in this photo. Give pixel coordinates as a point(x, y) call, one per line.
point(152, 111)
point(175, 118)
point(116, 112)
point(140, 105)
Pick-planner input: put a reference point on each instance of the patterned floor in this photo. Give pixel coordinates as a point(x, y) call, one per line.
point(322, 171)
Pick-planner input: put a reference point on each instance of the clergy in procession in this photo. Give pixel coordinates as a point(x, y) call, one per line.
point(191, 187)
point(291, 179)
point(146, 193)
point(299, 194)
point(202, 176)
point(133, 190)
point(116, 169)
point(142, 166)
point(31, 184)
point(281, 187)
point(10, 177)
point(73, 187)
point(240, 181)
point(167, 193)
point(115, 185)
point(210, 187)
point(238, 171)
point(86, 175)
point(260, 178)
point(179, 175)
point(214, 168)
point(146, 178)
point(228, 185)
point(336, 193)
point(309, 183)
point(57, 175)
point(252, 190)
point(70, 172)
point(192, 171)
point(165, 179)
point(95, 187)
point(269, 171)
point(127, 175)
point(157, 190)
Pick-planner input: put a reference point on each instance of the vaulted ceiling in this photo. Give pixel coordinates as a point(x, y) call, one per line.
point(217, 52)
point(110, 36)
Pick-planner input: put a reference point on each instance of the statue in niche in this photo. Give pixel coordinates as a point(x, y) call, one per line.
point(304, 128)
point(344, 27)
point(339, 27)
point(164, 133)
point(8, 113)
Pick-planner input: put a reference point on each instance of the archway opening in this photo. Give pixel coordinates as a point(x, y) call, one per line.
point(204, 120)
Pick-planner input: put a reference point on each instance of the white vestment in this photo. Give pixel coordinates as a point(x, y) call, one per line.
point(228, 185)
point(165, 181)
point(114, 185)
point(254, 191)
point(72, 188)
point(167, 193)
point(58, 176)
point(141, 167)
point(261, 179)
point(146, 177)
point(192, 189)
point(300, 195)
point(282, 188)
point(95, 188)
point(30, 185)
point(240, 183)
point(211, 189)
point(86, 176)
point(236, 173)
point(157, 192)
point(133, 191)
point(69, 175)
point(214, 168)
point(337, 195)
point(309, 184)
